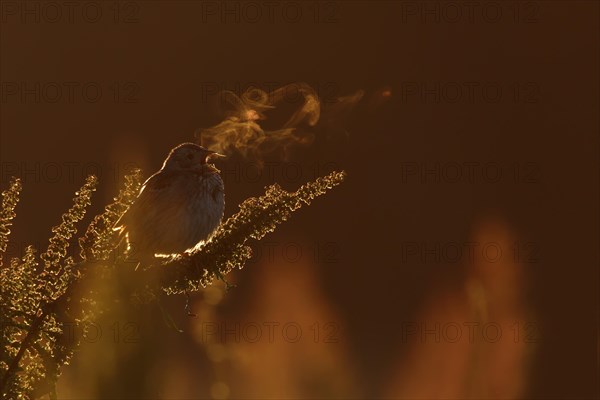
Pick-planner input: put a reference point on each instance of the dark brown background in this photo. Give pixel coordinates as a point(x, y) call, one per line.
point(171, 56)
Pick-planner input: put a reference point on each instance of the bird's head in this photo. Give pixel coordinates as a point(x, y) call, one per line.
point(189, 156)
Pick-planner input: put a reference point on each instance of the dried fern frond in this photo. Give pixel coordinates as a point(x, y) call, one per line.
point(59, 243)
point(28, 305)
point(99, 239)
point(19, 304)
point(227, 248)
point(10, 198)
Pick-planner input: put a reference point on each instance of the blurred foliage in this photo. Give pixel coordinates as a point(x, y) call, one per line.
point(43, 298)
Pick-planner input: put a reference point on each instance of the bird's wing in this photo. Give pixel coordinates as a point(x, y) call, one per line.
point(151, 195)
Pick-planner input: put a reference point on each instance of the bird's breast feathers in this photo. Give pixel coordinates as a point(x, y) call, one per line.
point(181, 207)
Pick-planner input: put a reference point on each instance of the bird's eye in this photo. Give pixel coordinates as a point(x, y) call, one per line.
point(190, 156)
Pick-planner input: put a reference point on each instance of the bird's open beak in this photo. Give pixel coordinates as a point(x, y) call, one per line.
point(214, 155)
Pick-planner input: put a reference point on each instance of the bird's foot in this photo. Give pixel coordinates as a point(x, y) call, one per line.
point(228, 286)
point(188, 309)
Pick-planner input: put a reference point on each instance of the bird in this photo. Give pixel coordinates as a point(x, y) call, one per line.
point(178, 207)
